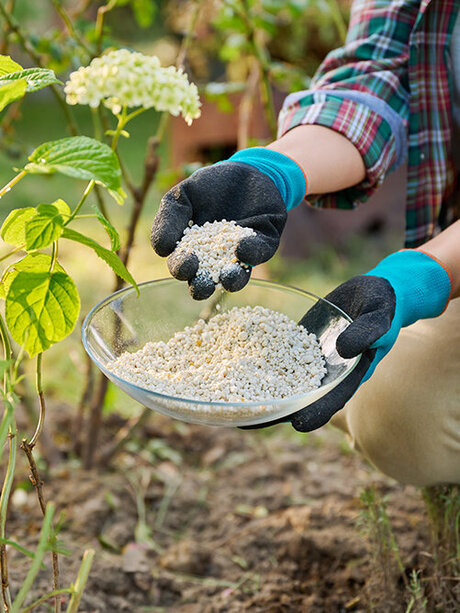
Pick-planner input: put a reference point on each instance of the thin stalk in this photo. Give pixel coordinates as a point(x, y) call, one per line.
point(122, 120)
point(133, 114)
point(97, 129)
point(6, 31)
point(12, 252)
point(7, 350)
point(54, 255)
point(99, 29)
point(6, 491)
point(40, 552)
point(258, 52)
point(63, 590)
point(13, 181)
point(81, 580)
point(180, 60)
point(85, 195)
point(41, 399)
point(70, 27)
point(38, 484)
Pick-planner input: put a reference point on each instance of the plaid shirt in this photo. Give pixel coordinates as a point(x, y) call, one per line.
point(388, 90)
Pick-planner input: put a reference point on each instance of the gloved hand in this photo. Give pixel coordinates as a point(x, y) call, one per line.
point(255, 187)
point(404, 287)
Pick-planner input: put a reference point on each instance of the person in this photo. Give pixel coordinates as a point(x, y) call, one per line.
point(391, 94)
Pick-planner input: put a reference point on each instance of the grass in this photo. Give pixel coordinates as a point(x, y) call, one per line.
point(393, 582)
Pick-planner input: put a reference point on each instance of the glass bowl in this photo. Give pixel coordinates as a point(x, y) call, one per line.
point(125, 321)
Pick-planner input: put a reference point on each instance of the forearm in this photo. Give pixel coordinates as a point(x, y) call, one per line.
point(329, 160)
point(446, 248)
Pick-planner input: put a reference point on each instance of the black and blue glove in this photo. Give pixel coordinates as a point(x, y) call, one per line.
point(255, 187)
point(404, 287)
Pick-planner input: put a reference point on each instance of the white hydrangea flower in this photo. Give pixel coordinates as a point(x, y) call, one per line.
point(127, 78)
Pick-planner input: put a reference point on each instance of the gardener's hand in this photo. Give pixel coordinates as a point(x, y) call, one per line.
point(255, 187)
point(406, 286)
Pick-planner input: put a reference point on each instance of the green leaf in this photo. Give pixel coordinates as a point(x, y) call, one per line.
point(11, 92)
point(45, 227)
point(108, 256)
point(80, 157)
point(41, 309)
point(35, 78)
point(111, 231)
point(8, 65)
point(14, 227)
point(36, 262)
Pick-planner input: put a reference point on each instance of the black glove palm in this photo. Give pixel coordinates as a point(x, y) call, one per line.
point(228, 190)
point(370, 301)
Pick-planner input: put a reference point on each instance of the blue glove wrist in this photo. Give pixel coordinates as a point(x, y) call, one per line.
point(422, 286)
point(284, 172)
point(422, 289)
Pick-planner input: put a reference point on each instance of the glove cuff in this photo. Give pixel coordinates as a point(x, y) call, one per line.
point(287, 175)
point(421, 283)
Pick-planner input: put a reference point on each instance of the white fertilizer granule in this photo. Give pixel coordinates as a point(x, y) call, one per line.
point(214, 244)
point(243, 355)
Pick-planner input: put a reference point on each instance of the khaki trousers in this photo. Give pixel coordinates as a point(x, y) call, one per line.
point(406, 418)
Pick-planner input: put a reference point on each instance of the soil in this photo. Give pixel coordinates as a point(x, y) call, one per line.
point(235, 521)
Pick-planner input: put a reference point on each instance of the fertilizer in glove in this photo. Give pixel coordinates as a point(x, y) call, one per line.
point(245, 354)
point(214, 245)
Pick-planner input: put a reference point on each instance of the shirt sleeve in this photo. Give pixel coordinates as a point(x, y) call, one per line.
point(361, 91)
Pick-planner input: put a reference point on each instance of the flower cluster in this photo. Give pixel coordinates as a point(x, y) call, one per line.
point(126, 78)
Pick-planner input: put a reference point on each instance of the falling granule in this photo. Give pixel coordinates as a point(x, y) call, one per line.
point(245, 354)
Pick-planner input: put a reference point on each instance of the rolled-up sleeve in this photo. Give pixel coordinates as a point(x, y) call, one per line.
point(361, 91)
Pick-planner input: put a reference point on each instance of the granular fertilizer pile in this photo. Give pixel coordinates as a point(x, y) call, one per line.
point(245, 354)
point(214, 244)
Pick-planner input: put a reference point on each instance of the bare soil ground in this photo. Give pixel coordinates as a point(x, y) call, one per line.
point(194, 519)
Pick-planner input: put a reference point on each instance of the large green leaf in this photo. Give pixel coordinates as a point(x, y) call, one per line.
point(41, 309)
point(36, 262)
point(108, 256)
point(8, 65)
point(36, 78)
point(46, 226)
point(111, 231)
point(9, 92)
point(13, 230)
point(80, 157)
point(35, 228)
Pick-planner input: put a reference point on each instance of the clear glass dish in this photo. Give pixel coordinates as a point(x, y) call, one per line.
point(125, 322)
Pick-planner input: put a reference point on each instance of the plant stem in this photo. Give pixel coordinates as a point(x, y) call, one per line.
point(85, 195)
point(41, 399)
point(12, 252)
point(63, 590)
point(70, 26)
point(96, 123)
point(180, 60)
point(122, 120)
point(42, 546)
point(80, 582)
point(123, 436)
point(38, 484)
point(13, 181)
point(99, 29)
point(4, 499)
point(259, 54)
